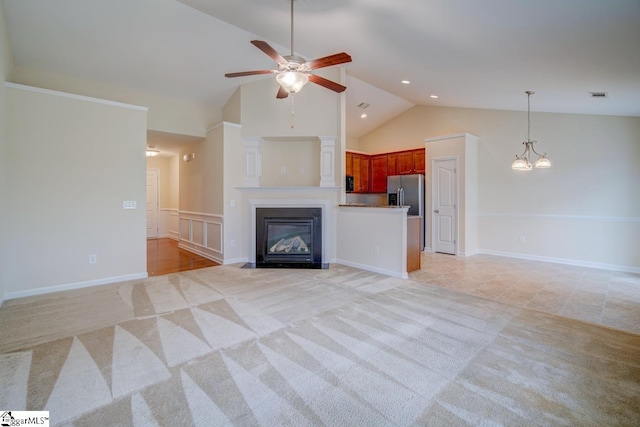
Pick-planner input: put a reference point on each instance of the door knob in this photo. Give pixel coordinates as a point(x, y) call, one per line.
point(437, 211)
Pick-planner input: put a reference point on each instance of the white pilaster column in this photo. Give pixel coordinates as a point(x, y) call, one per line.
point(327, 161)
point(252, 162)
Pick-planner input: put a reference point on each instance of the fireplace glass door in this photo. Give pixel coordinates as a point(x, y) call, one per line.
point(289, 240)
point(289, 237)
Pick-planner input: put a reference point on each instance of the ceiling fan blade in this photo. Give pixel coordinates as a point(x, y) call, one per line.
point(266, 48)
point(327, 83)
point(282, 93)
point(327, 61)
point(249, 73)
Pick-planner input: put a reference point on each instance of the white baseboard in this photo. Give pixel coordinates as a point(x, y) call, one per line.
point(235, 261)
point(194, 249)
point(170, 235)
point(77, 285)
point(374, 269)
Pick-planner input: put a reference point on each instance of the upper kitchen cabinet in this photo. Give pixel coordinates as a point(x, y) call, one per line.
point(349, 164)
point(392, 164)
point(358, 166)
point(379, 173)
point(409, 162)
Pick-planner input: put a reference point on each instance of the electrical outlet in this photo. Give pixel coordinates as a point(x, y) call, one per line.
point(523, 239)
point(283, 170)
point(376, 249)
point(93, 258)
point(232, 243)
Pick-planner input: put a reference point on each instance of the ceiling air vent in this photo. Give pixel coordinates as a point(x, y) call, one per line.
point(598, 94)
point(363, 105)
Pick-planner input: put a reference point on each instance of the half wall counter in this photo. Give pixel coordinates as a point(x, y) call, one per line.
point(378, 239)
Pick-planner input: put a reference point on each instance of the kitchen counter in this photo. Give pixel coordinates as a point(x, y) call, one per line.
point(364, 205)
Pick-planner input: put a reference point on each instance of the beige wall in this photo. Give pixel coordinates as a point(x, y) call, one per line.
point(235, 244)
point(165, 115)
point(232, 113)
point(584, 210)
point(168, 182)
point(6, 64)
point(293, 162)
point(72, 163)
point(317, 110)
point(200, 178)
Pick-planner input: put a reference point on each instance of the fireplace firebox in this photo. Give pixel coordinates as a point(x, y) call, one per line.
point(289, 238)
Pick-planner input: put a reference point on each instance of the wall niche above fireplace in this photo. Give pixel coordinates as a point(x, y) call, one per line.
point(289, 238)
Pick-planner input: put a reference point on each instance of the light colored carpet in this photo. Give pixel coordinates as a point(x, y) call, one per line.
point(337, 347)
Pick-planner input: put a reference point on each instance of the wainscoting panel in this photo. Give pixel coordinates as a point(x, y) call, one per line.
point(201, 233)
point(197, 235)
point(169, 223)
point(185, 229)
point(214, 236)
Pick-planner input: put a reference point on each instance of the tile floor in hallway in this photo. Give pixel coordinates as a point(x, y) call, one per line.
point(603, 297)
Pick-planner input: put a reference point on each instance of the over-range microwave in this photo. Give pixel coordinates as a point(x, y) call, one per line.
point(349, 184)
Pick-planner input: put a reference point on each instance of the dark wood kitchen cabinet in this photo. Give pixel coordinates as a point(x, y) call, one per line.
point(370, 172)
point(360, 171)
point(412, 161)
point(419, 161)
point(379, 173)
point(392, 163)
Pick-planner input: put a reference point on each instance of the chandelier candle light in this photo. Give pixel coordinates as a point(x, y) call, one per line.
point(523, 162)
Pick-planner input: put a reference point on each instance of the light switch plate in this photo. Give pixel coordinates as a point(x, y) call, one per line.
point(129, 204)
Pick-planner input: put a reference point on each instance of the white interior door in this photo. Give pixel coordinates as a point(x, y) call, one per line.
point(152, 203)
point(444, 218)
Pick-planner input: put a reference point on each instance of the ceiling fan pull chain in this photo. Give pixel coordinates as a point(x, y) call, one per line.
point(293, 113)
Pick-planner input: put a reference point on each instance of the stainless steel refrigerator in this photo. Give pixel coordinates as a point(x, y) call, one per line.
point(408, 190)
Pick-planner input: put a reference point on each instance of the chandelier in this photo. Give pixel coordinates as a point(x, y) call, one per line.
point(523, 162)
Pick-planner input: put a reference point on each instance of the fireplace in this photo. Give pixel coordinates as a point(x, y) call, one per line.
point(289, 238)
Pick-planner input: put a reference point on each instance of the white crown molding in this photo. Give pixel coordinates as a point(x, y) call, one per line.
point(223, 123)
point(452, 136)
point(74, 96)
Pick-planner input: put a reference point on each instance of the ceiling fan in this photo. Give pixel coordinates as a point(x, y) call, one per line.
point(294, 71)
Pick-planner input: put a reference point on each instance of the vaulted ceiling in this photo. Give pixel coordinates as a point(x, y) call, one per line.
point(469, 53)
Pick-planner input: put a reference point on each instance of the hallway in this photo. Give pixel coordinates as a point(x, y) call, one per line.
point(165, 257)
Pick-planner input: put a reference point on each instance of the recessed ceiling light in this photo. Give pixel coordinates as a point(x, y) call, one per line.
point(433, 96)
point(363, 115)
point(406, 82)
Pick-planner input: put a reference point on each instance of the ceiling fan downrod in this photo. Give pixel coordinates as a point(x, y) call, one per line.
point(292, 27)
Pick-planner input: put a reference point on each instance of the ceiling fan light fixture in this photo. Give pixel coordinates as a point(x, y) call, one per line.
point(292, 81)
